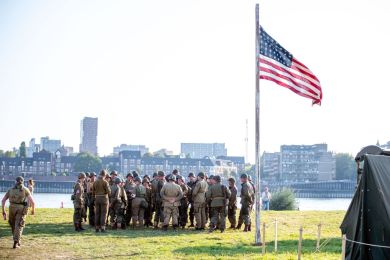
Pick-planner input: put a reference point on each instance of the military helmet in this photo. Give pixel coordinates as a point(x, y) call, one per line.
point(171, 177)
point(117, 180)
point(175, 172)
point(87, 174)
point(113, 173)
point(19, 179)
point(231, 179)
point(146, 177)
point(181, 178)
point(217, 178)
point(129, 175)
point(211, 177)
point(81, 175)
point(154, 174)
point(201, 174)
point(92, 174)
point(244, 176)
point(103, 173)
point(135, 174)
point(137, 179)
point(161, 173)
point(191, 174)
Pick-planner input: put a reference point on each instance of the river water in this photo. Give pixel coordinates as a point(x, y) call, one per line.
point(53, 200)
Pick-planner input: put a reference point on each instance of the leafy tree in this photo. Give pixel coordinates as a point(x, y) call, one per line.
point(283, 199)
point(87, 162)
point(1, 153)
point(22, 150)
point(10, 154)
point(148, 155)
point(345, 166)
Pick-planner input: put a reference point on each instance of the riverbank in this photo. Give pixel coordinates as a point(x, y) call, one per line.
point(49, 235)
point(57, 200)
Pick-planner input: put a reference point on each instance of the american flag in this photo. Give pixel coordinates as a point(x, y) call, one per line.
point(278, 65)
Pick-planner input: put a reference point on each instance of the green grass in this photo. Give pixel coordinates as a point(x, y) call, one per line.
point(50, 235)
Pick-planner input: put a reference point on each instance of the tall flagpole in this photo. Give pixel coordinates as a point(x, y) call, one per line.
point(258, 190)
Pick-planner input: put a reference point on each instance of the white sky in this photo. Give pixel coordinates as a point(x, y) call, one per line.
point(163, 72)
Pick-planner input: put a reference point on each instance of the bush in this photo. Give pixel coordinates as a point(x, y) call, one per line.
point(283, 199)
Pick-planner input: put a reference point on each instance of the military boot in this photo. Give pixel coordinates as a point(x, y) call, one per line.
point(76, 227)
point(165, 228)
point(246, 229)
point(239, 225)
point(81, 227)
point(249, 227)
point(16, 245)
point(212, 228)
point(232, 227)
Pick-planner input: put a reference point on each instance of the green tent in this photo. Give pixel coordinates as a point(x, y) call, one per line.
point(368, 217)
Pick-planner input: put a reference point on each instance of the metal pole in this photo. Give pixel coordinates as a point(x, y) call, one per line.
point(257, 134)
point(300, 243)
point(276, 235)
point(318, 237)
point(264, 238)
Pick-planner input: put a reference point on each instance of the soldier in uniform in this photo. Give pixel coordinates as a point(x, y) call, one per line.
point(114, 195)
point(153, 182)
point(100, 191)
point(86, 202)
point(171, 194)
point(183, 208)
point(120, 207)
point(232, 208)
point(138, 204)
point(158, 205)
point(130, 192)
point(199, 198)
point(20, 199)
point(148, 198)
point(191, 185)
point(91, 199)
point(78, 202)
point(113, 175)
point(210, 182)
point(246, 203)
point(219, 195)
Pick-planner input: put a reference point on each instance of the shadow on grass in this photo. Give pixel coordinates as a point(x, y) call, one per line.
point(66, 229)
point(284, 246)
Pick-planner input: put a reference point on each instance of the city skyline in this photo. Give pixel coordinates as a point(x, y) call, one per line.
point(157, 74)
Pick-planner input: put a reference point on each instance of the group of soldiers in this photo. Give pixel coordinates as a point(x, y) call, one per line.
point(136, 202)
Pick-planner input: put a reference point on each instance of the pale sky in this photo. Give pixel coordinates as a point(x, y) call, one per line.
point(164, 72)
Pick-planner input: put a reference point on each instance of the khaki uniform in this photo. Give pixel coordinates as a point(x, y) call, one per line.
point(183, 208)
point(232, 208)
point(130, 190)
point(199, 198)
point(158, 203)
point(78, 203)
point(17, 210)
point(171, 194)
point(246, 204)
point(218, 195)
point(100, 191)
point(138, 206)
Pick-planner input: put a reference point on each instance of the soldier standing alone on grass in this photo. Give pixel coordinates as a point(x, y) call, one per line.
point(246, 203)
point(20, 198)
point(101, 191)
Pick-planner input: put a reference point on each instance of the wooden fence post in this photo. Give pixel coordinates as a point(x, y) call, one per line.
point(264, 238)
point(343, 245)
point(318, 237)
point(276, 235)
point(300, 243)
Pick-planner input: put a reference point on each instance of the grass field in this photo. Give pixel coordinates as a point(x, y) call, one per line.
point(50, 235)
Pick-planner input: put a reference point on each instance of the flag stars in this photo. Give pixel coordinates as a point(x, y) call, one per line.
point(270, 48)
